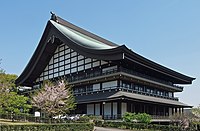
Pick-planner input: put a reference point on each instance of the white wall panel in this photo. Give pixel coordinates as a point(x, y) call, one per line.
point(97, 109)
point(114, 108)
point(107, 109)
point(90, 109)
point(123, 108)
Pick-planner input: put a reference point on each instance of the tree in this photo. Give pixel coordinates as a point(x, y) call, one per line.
point(10, 101)
point(54, 98)
point(15, 103)
point(196, 111)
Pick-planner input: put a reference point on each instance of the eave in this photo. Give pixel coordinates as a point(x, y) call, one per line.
point(52, 37)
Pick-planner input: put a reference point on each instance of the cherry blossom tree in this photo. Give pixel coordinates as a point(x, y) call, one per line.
point(54, 98)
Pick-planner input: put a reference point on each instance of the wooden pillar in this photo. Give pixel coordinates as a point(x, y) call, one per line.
point(164, 111)
point(94, 109)
point(119, 108)
point(101, 113)
point(111, 110)
point(154, 110)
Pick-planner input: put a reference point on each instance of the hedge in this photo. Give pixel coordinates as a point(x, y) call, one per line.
point(138, 126)
point(49, 127)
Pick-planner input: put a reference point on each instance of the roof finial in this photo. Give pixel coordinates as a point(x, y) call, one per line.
point(53, 16)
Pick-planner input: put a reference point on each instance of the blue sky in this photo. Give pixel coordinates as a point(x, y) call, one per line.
point(165, 31)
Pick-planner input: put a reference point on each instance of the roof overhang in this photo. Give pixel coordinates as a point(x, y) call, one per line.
point(120, 95)
point(87, 44)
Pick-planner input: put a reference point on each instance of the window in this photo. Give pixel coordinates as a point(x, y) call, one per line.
point(67, 56)
point(87, 66)
point(73, 64)
point(73, 70)
point(87, 60)
point(81, 62)
point(97, 63)
point(55, 60)
point(61, 58)
point(61, 53)
point(80, 57)
point(73, 54)
point(73, 59)
point(62, 48)
point(67, 66)
point(80, 68)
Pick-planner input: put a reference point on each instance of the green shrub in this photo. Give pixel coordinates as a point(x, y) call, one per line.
point(141, 117)
point(137, 126)
point(129, 117)
point(49, 127)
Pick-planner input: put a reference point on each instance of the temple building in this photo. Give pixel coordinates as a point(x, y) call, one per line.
point(108, 79)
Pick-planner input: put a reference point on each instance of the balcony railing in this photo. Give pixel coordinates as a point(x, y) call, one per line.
point(148, 77)
point(125, 89)
point(121, 69)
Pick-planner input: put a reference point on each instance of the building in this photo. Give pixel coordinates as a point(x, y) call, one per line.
point(108, 79)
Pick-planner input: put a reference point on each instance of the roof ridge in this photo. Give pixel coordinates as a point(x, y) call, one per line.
point(81, 30)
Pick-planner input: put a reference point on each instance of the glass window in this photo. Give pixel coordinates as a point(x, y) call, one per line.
point(67, 71)
point(87, 60)
point(61, 63)
point(73, 64)
point(46, 77)
point(80, 57)
point(62, 48)
point(97, 63)
point(88, 66)
point(55, 60)
point(55, 69)
point(81, 62)
point(61, 68)
point(73, 70)
point(46, 73)
point(67, 51)
point(73, 54)
point(67, 66)
point(51, 66)
point(55, 65)
point(61, 53)
point(74, 59)
point(67, 56)
point(80, 68)
point(55, 75)
point(61, 73)
point(61, 58)
point(56, 55)
point(67, 61)
point(50, 76)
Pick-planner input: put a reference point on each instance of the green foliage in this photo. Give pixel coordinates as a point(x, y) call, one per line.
point(49, 127)
point(16, 103)
point(133, 117)
point(137, 126)
point(143, 118)
point(10, 101)
point(7, 82)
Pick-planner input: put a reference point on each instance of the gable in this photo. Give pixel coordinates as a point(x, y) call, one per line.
point(66, 61)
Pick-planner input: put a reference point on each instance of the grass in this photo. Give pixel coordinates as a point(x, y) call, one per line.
point(10, 122)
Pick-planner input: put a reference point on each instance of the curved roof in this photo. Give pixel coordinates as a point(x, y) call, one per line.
point(59, 31)
point(80, 38)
